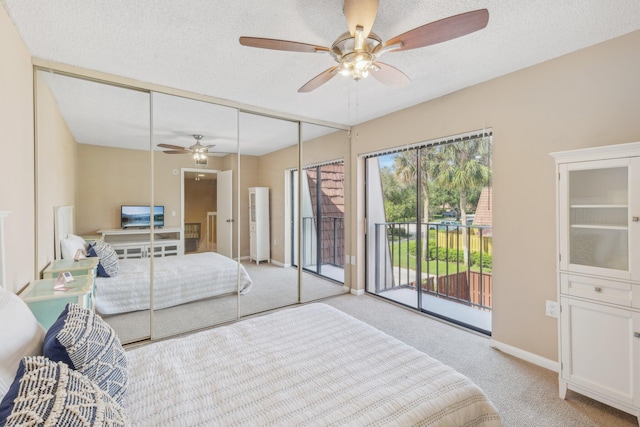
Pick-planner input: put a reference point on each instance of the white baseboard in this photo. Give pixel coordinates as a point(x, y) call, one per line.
point(280, 264)
point(356, 292)
point(543, 362)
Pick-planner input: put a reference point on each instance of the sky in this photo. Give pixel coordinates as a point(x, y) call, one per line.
point(386, 161)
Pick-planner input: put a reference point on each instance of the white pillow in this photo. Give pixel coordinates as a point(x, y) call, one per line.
point(21, 335)
point(71, 244)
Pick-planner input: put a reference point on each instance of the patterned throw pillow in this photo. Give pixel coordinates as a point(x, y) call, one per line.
point(49, 393)
point(88, 344)
point(108, 264)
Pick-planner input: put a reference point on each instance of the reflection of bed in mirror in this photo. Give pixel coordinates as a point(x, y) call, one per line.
point(177, 279)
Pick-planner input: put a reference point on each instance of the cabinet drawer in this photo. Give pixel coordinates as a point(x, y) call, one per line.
point(620, 293)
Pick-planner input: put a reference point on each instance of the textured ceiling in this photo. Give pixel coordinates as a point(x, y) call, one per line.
point(193, 45)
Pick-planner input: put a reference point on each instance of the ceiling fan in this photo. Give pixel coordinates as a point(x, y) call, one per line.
point(357, 51)
point(198, 150)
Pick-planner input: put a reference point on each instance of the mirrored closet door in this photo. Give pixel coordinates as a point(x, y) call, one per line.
point(268, 150)
point(93, 154)
point(195, 152)
point(202, 204)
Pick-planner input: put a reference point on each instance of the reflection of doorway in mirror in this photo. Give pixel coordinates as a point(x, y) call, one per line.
point(199, 205)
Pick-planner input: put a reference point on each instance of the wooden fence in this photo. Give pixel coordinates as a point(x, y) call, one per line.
point(472, 287)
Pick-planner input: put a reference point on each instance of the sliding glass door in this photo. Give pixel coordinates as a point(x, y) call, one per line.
point(429, 226)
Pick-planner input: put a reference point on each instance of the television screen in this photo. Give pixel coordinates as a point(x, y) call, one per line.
point(140, 216)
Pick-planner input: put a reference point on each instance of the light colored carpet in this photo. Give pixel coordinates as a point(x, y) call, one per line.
point(273, 287)
point(524, 394)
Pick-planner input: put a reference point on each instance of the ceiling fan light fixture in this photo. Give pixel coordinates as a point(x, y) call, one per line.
point(356, 64)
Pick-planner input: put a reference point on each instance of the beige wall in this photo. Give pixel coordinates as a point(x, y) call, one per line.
point(272, 169)
point(110, 177)
point(56, 170)
point(167, 182)
point(16, 161)
point(588, 98)
point(107, 178)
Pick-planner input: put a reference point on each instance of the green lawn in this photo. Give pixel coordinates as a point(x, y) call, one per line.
point(403, 259)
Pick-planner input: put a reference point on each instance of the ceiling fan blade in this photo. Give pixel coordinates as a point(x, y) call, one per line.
point(362, 13)
point(319, 80)
point(175, 151)
point(281, 45)
point(390, 76)
point(172, 147)
point(441, 31)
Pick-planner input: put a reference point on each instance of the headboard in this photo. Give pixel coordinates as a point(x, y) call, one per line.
point(63, 226)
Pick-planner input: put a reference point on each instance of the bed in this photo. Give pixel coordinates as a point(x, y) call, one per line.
point(308, 365)
point(177, 279)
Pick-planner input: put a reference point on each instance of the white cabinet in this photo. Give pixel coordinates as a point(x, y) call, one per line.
point(599, 273)
point(143, 249)
point(136, 243)
point(600, 353)
point(259, 245)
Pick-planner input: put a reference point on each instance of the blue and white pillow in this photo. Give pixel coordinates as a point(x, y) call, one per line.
point(49, 393)
point(88, 344)
point(108, 259)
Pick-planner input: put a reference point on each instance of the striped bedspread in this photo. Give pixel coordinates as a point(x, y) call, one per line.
point(310, 365)
point(177, 280)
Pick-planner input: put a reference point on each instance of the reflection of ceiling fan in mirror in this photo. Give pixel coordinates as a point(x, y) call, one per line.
point(357, 51)
point(198, 150)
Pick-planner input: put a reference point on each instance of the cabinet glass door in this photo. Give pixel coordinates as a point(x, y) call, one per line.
point(598, 217)
point(252, 207)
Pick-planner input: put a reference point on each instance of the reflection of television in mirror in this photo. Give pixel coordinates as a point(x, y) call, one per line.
point(140, 216)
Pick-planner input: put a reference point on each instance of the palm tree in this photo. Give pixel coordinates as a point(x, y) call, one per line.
point(405, 166)
point(464, 165)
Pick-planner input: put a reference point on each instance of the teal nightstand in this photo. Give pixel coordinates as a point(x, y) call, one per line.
point(46, 303)
point(83, 267)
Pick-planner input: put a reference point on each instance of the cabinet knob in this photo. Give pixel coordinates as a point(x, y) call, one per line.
point(636, 334)
point(598, 289)
point(635, 218)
